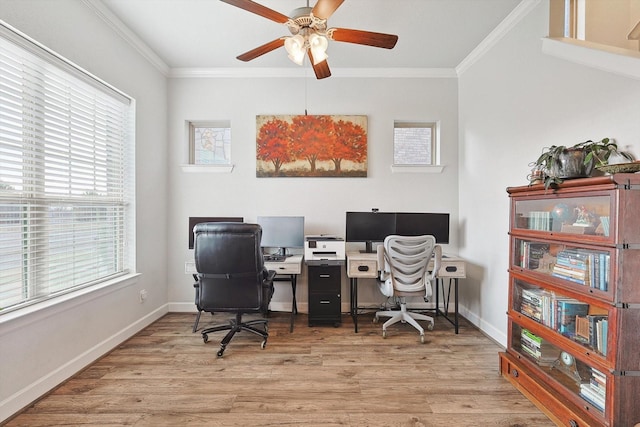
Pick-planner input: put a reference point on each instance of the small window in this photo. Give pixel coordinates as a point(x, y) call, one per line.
point(210, 143)
point(414, 144)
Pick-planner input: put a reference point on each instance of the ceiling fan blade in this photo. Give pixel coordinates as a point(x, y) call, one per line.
point(325, 8)
point(387, 41)
point(258, 9)
point(321, 68)
point(261, 50)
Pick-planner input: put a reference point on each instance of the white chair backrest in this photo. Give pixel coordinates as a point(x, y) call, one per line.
point(406, 259)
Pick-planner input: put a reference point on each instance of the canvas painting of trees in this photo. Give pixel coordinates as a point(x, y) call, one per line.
point(311, 146)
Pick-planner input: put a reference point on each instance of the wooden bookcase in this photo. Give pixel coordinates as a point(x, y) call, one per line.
point(574, 299)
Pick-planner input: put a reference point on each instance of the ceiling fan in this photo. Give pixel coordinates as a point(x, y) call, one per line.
point(310, 34)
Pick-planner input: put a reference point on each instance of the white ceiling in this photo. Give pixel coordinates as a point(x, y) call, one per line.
point(209, 34)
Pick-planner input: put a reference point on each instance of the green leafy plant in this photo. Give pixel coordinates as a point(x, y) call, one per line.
point(553, 159)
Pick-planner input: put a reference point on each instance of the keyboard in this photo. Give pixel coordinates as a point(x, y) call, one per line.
point(274, 258)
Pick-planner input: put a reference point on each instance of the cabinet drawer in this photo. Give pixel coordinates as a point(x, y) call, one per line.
point(362, 268)
point(325, 279)
point(559, 409)
point(324, 304)
point(283, 267)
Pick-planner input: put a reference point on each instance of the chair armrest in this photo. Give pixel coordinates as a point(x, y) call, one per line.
point(437, 261)
point(271, 274)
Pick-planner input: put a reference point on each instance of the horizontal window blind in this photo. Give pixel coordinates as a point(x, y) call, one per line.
point(66, 167)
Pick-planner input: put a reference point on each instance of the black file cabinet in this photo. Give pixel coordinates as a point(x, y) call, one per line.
point(325, 283)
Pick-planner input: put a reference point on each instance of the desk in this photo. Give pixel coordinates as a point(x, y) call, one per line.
point(365, 266)
point(290, 268)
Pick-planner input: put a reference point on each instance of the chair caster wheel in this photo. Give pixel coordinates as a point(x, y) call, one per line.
point(430, 326)
point(422, 339)
point(384, 334)
point(220, 352)
point(263, 344)
point(375, 319)
point(205, 338)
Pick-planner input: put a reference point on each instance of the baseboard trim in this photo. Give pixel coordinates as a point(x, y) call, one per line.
point(29, 394)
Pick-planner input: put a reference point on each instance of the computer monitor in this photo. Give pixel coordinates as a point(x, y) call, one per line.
point(193, 220)
point(420, 223)
point(369, 227)
point(282, 232)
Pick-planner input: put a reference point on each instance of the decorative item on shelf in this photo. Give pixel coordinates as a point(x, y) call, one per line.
point(560, 162)
point(536, 176)
point(566, 364)
point(631, 167)
point(561, 214)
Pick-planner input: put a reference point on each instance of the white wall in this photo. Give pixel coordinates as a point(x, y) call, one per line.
point(513, 102)
point(323, 201)
point(39, 351)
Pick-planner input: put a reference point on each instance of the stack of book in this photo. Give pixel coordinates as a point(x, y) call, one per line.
point(536, 304)
point(539, 350)
point(595, 391)
point(589, 268)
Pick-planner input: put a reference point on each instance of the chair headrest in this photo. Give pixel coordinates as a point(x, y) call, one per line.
point(227, 247)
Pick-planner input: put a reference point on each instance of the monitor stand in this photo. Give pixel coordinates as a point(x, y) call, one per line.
point(369, 248)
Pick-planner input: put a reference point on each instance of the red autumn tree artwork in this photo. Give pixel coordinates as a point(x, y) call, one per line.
point(311, 146)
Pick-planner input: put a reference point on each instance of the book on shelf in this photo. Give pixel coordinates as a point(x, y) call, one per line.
point(567, 310)
point(540, 220)
point(595, 391)
point(537, 348)
point(586, 267)
point(532, 253)
point(592, 330)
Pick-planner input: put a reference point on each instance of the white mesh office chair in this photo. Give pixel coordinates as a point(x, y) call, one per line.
point(404, 261)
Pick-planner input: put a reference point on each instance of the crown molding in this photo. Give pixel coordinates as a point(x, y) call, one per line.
point(516, 15)
point(98, 7)
point(254, 72)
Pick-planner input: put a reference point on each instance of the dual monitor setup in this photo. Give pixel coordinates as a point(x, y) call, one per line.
point(287, 232)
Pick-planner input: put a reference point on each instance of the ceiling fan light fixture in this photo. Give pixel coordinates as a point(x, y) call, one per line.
point(295, 46)
point(318, 45)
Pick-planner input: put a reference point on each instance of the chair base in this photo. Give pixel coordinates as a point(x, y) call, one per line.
point(404, 316)
point(237, 325)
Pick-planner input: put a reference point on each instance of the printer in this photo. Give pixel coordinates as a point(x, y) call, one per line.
point(323, 248)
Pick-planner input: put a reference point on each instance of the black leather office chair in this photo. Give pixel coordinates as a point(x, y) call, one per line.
point(231, 277)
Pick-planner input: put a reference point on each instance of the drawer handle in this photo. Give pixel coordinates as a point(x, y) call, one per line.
point(325, 302)
point(325, 276)
point(363, 268)
point(573, 423)
point(515, 373)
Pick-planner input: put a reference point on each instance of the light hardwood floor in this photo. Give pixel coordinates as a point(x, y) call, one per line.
point(324, 376)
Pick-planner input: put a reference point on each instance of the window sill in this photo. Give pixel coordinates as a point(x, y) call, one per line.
point(40, 311)
point(615, 60)
point(207, 168)
point(416, 169)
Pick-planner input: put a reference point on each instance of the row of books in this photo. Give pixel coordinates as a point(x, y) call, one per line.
point(595, 391)
point(592, 330)
point(540, 220)
point(556, 312)
point(589, 268)
point(538, 349)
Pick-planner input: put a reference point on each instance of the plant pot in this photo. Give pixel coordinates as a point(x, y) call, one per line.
point(570, 164)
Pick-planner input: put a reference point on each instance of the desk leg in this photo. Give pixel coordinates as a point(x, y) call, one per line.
point(294, 304)
point(354, 302)
point(446, 299)
point(456, 308)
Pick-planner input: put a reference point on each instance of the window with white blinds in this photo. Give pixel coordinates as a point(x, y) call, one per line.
point(66, 176)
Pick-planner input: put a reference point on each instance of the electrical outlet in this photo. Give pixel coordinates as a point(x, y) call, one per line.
point(143, 295)
point(190, 267)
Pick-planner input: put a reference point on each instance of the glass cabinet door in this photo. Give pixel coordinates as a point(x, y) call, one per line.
point(586, 383)
point(577, 265)
point(581, 322)
point(587, 215)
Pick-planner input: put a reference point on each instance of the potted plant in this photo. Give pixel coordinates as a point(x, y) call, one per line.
point(560, 162)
